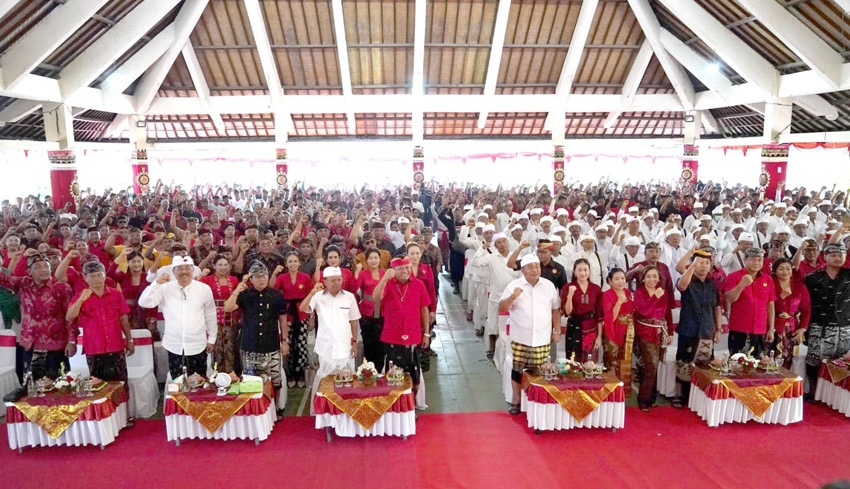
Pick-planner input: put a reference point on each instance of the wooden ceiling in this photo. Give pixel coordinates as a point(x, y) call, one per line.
point(459, 34)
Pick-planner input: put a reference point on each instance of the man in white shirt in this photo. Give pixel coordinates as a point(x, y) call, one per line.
point(190, 318)
point(627, 255)
point(336, 333)
point(734, 259)
point(534, 314)
point(495, 262)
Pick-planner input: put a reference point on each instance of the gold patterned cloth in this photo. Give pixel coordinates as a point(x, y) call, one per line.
point(365, 411)
point(56, 411)
point(212, 411)
point(757, 391)
point(836, 373)
point(580, 397)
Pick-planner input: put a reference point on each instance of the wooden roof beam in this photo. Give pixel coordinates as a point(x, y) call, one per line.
point(342, 54)
point(418, 88)
point(816, 53)
point(572, 60)
point(499, 30)
point(652, 30)
point(184, 24)
point(144, 58)
point(267, 61)
point(734, 52)
point(201, 87)
point(705, 71)
point(630, 87)
point(18, 109)
point(86, 67)
point(44, 38)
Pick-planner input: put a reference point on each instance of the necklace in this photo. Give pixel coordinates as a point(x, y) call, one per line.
point(400, 293)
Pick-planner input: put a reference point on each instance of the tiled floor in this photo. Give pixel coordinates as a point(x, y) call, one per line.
point(461, 379)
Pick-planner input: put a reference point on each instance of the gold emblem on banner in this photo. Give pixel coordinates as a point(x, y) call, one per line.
point(281, 179)
point(143, 179)
point(75, 188)
point(764, 179)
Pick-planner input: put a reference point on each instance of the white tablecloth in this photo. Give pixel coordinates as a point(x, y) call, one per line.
point(551, 416)
point(716, 412)
point(258, 428)
point(835, 396)
point(80, 433)
point(390, 424)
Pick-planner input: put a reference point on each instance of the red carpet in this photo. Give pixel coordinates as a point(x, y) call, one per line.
point(668, 448)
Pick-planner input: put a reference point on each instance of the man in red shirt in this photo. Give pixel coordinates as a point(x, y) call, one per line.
point(101, 312)
point(404, 307)
point(750, 294)
point(811, 261)
point(46, 337)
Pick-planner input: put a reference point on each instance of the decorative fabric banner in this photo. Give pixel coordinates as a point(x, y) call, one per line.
point(774, 166)
point(141, 177)
point(558, 169)
point(65, 189)
point(418, 165)
point(690, 165)
point(281, 168)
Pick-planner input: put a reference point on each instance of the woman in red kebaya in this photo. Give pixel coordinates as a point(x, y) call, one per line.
point(651, 330)
point(619, 331)
point(371, 323)
point(295, 285)
point(424, 273)
point(130, 277)
point(793, 310)
point(223, 284)
point(333, 259)
point(582, 301)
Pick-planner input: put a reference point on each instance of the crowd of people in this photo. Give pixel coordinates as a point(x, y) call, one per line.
point(596, 269)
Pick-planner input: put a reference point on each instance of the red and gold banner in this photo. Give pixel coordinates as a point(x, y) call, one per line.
point(64, 186)
point(281, 168)
point(690, 165)
point(418, 165)
point(141, 177)
point(774, 166)
point(558, 169)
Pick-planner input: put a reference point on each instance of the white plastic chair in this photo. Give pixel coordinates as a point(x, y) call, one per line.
point(8, 377)
point(78, 362)
point(144, 391)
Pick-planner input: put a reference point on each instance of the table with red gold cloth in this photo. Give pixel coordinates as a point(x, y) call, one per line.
point(205, 415)
point(573, 401)
point(834, 386)
point(373, 409)
point(62, 418)
point(770, 398)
